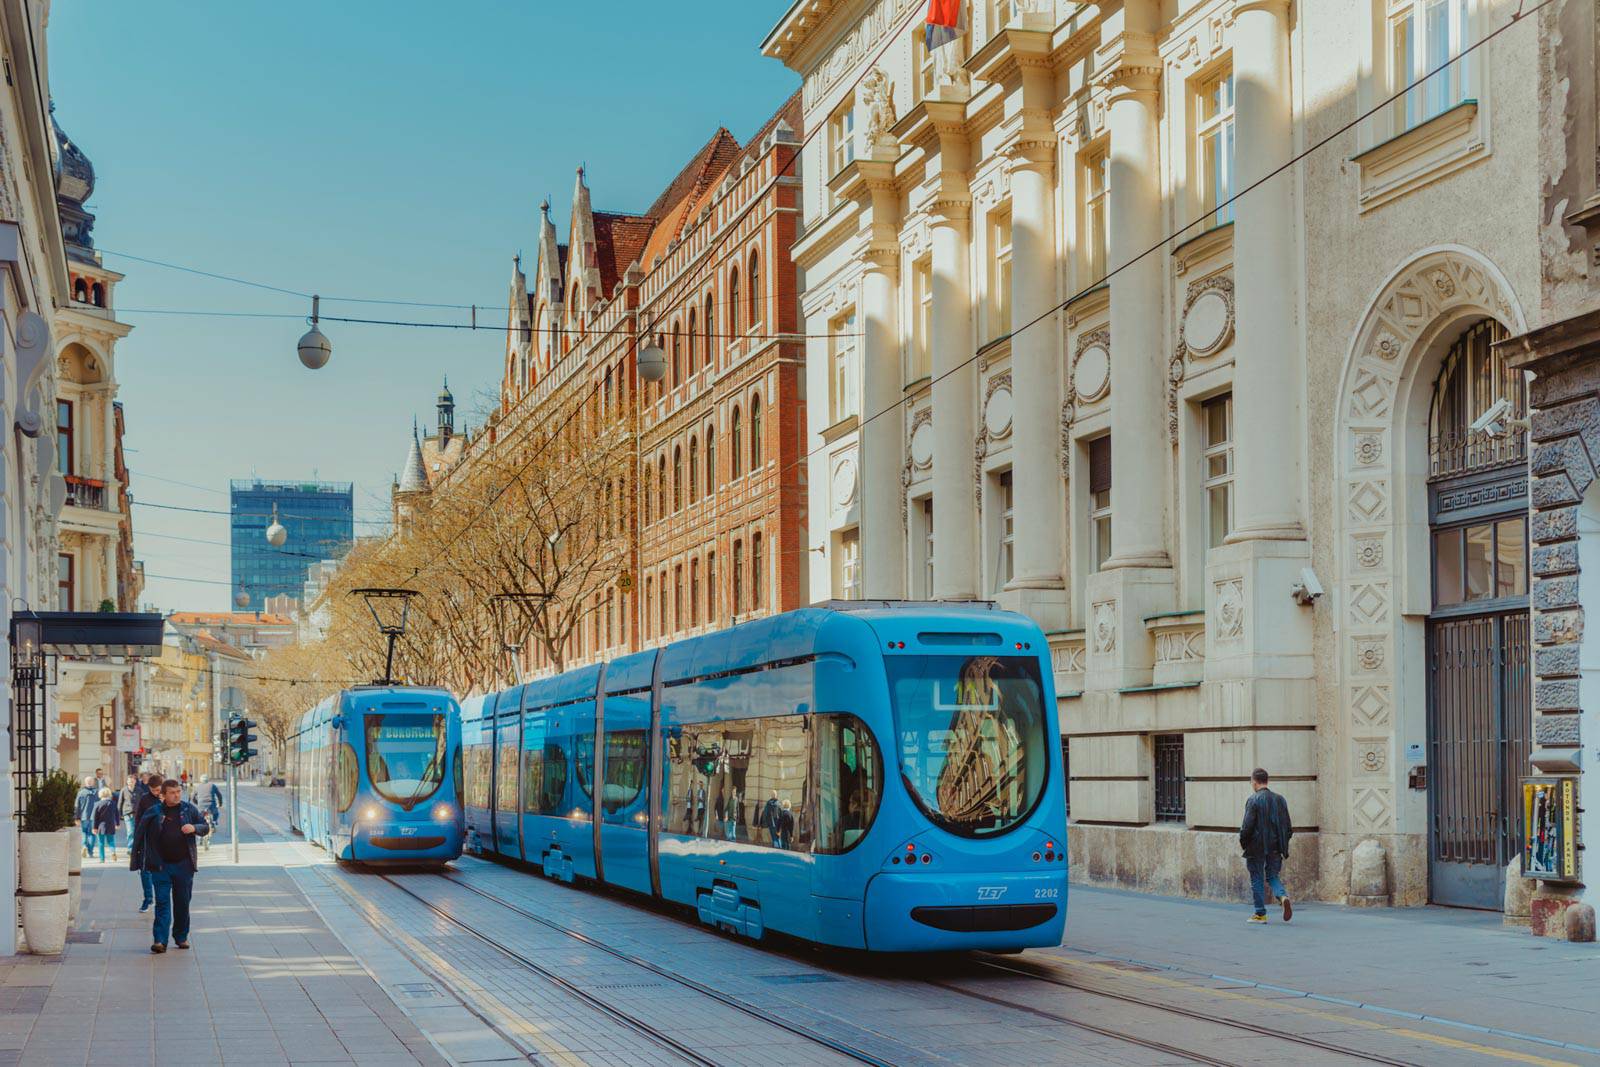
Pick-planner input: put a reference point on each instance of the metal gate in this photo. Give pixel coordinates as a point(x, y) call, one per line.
point(1479, 739)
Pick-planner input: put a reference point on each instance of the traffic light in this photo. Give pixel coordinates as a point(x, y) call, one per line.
point(706, 759)
point(241, 742)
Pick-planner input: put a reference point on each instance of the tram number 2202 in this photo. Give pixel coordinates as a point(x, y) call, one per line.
point(1046, 894)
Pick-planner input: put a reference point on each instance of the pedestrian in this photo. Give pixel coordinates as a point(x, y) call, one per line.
point(785, 825)
point(128, 802)
point(106, 820)
point(149, 798)
point(165, 846)
point(769, 819)
point(83, 808)
point(210, 802)
point(1264, 836)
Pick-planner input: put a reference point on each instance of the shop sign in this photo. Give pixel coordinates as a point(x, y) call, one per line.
point(128, 739)
point(1550, 828)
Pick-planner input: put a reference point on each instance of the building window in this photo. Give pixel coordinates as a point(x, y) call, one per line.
point(923, 60)
point(694, 592)
point(677, 349)
point(1002, 13)
point(711, 460)
point(850, 565)
point(842, 138)
point(922, 342)
point(711, 330)
point(1424, 36)
point(755, 288)
point(1214, 128)
point(66, 583)
point(842, 386)
point(677, 596)
point(755, 433)
point(733, 302)
point(738, 576)
point(65, 452)
point(1096, 183)
point(1099, 501)
point(694, 470)
point(757, 573)
point(1005, 562)
point(1218, 414)
point(662, 604)
point(737, 433)
point(649, 603)
point(1169, 778)
point(677, 478)
point(711, 587)
point(1474, 378)
point(645, 480)
point(1000, 278)
point(661, 488)
point(927, 548)
point(1484, 561)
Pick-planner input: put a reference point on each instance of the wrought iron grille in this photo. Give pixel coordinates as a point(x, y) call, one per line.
point(1169, 778)
point(27, 728)
point(1474, 377)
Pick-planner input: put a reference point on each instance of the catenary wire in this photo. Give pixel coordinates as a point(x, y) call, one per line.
point(247, 514)
point(1292, 161)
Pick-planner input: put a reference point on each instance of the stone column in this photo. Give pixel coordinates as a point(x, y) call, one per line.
point(1035, 387)
point(955, 378)
point(883, 540)
point(1268, 413)
point(1139, 452)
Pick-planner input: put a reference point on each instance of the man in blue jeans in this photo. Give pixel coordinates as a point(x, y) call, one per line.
point(164, 845)
point(1264, 837)
point(148, 796)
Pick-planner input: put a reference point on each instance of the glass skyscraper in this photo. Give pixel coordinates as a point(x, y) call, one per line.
point(319, 518)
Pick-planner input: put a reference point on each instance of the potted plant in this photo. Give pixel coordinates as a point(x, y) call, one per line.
point(42, 862)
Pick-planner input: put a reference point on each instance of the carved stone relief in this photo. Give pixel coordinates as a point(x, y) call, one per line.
point(1104, 628)
point(1230, 609)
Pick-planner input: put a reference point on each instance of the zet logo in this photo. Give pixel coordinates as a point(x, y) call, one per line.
point(991, 892)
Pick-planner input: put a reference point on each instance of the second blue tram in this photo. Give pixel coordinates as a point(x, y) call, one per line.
point(374, 776)
point(876, 776)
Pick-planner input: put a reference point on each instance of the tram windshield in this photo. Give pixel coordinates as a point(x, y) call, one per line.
point(972, 738)
point(405, 756)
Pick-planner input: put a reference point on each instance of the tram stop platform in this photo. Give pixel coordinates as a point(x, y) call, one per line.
point(266, 982)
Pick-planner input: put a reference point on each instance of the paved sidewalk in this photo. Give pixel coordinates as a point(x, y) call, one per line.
point(266, 983)
point(1442, 963)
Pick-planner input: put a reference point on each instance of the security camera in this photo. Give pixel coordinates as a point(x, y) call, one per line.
point(1492, 419)
point(1307, 589)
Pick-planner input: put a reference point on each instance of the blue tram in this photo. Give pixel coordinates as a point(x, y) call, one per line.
point(866, 775)
point(374, 776)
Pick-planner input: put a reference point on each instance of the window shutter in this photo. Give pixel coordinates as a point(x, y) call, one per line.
point(1100, 464)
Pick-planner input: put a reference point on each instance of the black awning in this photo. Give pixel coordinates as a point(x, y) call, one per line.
point(93, 634)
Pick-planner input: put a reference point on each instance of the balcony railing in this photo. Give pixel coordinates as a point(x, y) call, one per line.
point(86, 492)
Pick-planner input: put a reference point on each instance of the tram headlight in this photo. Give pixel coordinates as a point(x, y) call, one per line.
point(369, 812)
point(442, 812)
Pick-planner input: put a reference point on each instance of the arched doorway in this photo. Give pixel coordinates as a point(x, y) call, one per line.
point(1479, 709)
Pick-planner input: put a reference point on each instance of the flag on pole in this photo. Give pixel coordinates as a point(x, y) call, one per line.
point(946, 22)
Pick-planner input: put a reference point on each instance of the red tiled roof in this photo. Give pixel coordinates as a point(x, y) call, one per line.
point(678, 202)
point(228, 618)
point(619, 241)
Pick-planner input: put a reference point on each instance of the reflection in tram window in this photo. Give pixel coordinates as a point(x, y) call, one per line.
point(625, 768)
point(544, 779)
point(746, 780)
point(347, 772)
point(506, 782)
point(850, 781)
point(583, 763)
point(972, 741)
point(480, 761)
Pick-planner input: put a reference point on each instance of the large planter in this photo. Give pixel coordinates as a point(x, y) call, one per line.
point(42, 875)
point(74, 872)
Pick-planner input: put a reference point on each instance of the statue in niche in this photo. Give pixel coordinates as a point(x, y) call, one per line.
point(878, 94)
point(947, 64)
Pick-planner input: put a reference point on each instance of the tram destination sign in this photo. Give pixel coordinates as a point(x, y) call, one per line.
point(1550, 813)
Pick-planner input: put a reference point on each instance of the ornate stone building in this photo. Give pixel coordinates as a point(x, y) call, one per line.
point(715, 518)
point(1206, 408)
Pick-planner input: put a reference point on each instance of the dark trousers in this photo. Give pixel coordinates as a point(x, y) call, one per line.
point(174, 885)
point(1264, 872)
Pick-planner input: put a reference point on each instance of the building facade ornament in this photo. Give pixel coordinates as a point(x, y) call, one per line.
point(877, 92)
point(1104, 627)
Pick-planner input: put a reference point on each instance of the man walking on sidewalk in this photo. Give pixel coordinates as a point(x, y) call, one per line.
point(128, 804)
point(1264, 837)
point(83, 808)
point(149, 796)
point(165, 845)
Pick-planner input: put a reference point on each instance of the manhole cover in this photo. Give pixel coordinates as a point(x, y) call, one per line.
point(84, 937)
point(796, 979)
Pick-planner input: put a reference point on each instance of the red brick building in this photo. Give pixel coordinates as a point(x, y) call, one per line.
point(716, 514)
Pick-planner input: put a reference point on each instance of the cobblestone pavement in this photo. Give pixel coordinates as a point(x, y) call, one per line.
point(475, 932)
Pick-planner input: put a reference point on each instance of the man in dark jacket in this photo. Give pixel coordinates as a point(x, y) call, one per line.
point(83, 810)
point(164, 845)
point(148, 797)
point(1264, 837)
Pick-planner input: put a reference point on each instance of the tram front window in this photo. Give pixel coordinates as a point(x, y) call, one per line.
point(972, 738)
point(405, 756)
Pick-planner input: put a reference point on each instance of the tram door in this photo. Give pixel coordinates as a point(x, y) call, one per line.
point(1478, 635)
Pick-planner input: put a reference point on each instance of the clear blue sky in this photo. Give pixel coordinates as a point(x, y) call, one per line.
point(395, 150)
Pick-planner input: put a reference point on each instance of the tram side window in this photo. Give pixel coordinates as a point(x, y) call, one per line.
point(745, 780)
point(478, 765)
point(346, 776)
point(849, 782)
point(583, 763)
point(545, 780)
point(625, 769)
point(506, 781)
